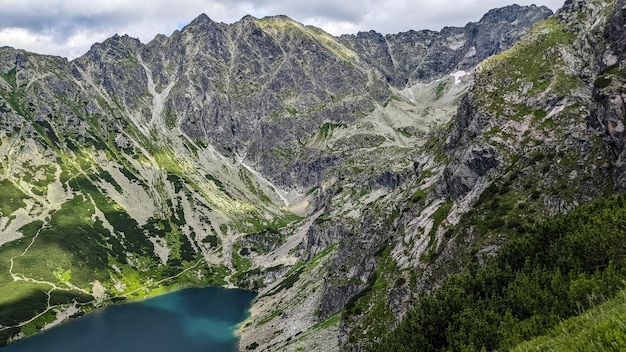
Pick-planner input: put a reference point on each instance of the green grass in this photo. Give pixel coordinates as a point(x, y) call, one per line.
point(533, 65)
point(326, 130)
point(602, 328)
point(418, 195)
point(11, 198)
point(69, 241)
point(21, 300)
point(333, 320)
point(39, 323)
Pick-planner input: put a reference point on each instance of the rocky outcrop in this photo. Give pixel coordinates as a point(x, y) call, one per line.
point(469, 122)
point(463, 174)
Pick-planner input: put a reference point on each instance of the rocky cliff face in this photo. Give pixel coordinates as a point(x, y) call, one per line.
point(538, 133)
point(320, 171)
point(608, 92)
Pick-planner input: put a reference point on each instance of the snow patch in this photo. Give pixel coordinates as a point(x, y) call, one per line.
point(458, 75)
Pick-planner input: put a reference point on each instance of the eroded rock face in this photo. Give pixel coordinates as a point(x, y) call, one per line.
point(254, 89)
point(609, 111)
point(468, 123)
point(534, 136)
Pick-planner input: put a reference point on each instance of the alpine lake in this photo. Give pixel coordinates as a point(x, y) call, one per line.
point(193, 319)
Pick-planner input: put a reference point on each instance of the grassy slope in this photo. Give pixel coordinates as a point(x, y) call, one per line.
point(602, 328)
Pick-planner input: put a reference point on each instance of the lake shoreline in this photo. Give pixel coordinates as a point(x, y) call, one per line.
point(187, 301)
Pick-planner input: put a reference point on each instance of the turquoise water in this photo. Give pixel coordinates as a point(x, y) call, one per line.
point(196, 319)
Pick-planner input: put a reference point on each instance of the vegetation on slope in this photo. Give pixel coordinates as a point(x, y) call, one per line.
point(551, 271)
point(602, 328)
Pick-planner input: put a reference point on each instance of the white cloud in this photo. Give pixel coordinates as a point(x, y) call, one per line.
point(69, 27)
point(74, 45)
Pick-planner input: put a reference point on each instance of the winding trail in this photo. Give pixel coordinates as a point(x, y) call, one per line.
point(71, 287)
point(15, 276)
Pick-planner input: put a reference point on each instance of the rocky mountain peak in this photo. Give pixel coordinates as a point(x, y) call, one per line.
point(201, 27)
point(115, 47)
point(247, 19)
point(278, 18)
point(202, 18)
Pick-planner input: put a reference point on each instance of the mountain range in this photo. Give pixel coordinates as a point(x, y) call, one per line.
point(348, 180)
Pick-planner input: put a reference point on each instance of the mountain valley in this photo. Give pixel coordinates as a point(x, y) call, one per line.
point(357, 183)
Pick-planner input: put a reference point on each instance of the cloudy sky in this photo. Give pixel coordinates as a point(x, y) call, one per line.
point(69, 27)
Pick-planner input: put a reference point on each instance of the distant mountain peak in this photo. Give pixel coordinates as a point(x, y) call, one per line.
point(202, 18)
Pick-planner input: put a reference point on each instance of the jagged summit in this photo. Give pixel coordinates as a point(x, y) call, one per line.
point(202, 18)
point(278, 18)
point(116, 41)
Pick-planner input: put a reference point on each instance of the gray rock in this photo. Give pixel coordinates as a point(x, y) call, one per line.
point(475, 162)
